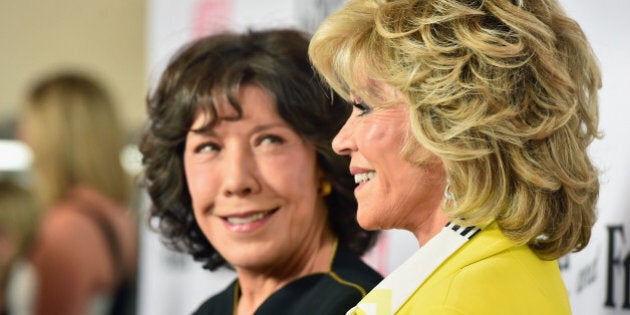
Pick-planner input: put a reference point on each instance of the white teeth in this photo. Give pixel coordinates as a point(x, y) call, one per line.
point(363, 177)
point(245, 220)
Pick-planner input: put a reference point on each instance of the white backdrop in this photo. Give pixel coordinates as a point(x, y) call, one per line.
point(597, 278)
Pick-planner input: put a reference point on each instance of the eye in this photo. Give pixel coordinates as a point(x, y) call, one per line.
point(207, 147)
point(362, 108)
point(270, 139)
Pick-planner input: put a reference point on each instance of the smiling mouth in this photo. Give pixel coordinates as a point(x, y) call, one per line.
point(245, 219)
point(363, 177)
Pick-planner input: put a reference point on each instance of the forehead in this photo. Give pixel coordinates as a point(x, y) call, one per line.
point(250, 101)
point(375, 92)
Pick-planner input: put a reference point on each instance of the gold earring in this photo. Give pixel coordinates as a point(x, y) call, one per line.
point(326, 188)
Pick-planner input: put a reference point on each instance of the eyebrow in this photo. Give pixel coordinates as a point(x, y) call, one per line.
point(206, 130)
point(373, 93)
point(374, 89)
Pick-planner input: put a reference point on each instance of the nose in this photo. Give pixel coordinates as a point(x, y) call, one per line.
point(343, 143)
point(239, 173)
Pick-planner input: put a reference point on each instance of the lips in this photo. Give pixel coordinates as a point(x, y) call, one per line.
point(248, 218)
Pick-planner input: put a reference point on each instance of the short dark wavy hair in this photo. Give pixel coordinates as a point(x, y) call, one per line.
point(216, 66)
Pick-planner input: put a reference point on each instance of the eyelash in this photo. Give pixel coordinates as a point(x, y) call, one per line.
point(214, 147)
point(201, 147)
point(272, 138)
point(363, 108)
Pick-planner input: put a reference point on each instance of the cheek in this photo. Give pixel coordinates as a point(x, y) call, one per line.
point(371, 132)
point(201, 186)
point(423, 186)
point(291, 175)
point(384, 138)
point(294, 176)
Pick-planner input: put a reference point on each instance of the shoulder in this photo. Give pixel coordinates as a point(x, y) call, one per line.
point(336, 291)
point(510, 277)
point(517, 270)
point(91, 223)
point(63, 227)
point(318, 293)
point(221, 303)
point(350, 270)
point(333, 292)
point(69, 243)
point(492, 259)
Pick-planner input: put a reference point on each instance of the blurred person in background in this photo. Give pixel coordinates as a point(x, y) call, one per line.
point(18, 220)
point(84, 253)
point(240, 171)
point(470, 129)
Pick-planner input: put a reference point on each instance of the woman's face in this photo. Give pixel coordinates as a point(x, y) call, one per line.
point(254, 184)
point(391, 191)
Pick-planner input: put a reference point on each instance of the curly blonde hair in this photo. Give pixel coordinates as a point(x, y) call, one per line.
point(504, 92)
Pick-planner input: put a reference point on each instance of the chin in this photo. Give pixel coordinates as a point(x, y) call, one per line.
point(368, 223)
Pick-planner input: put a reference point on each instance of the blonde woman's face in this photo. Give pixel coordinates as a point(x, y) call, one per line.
point(391, 191)
point(254, 185)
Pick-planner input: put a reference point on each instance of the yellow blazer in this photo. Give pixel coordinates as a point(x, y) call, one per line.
point(491, 275)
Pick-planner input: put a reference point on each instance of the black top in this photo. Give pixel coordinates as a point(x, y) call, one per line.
point(333, 293)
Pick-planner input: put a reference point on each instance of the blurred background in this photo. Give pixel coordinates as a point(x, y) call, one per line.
point(105, 38)
point(126, 43)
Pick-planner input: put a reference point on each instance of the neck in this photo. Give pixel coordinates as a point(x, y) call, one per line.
point(430, 227)
point(256, 285)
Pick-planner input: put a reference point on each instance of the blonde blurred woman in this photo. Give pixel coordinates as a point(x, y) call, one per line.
point(85, 248)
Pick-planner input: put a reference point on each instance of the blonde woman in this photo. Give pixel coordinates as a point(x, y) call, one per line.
point(86, 244)
point(470, 129)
